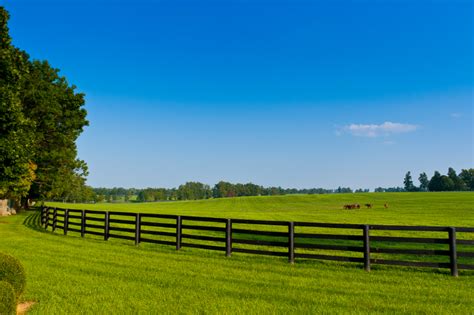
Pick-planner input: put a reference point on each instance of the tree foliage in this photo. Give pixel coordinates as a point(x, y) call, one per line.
point(424, 181)
point(41, 117)
point(408, 182)
point(59, 118)
point(17, 170)
point(467, 177)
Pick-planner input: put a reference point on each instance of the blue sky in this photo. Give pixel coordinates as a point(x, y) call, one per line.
point(289, 93)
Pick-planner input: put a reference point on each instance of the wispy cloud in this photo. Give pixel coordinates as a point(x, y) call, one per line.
point(373, 130)
point(456, 115)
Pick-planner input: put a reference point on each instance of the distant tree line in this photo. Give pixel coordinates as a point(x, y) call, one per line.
point(464, 181)
point(197, 191)
point(389, 189)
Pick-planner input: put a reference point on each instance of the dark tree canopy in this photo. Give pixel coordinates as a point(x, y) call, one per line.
point(41, 117)
point(58, 117)
point(17, 169)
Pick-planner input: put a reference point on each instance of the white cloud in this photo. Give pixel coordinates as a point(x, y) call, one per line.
point(456, 115)
point(373, 130)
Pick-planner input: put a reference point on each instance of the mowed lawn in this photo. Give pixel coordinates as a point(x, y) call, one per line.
point(68, 274)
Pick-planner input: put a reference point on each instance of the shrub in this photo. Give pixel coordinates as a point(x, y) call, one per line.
point(12, 271)
point(7, 299)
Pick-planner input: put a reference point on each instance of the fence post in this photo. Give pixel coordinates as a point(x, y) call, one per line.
point(43, 215)
point(83, 223)
point(291, 242)
point(66, 221)
point(366, 238)
point(55, 218)
point(452, 251)
point(46, 220)
point(228, 238)
point(106, 226)
point(178, 232)
point(137, 228)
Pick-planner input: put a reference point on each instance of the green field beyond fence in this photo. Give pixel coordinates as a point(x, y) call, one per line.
point(442, 209)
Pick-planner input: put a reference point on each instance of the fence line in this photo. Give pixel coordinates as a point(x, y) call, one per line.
point(136, 227)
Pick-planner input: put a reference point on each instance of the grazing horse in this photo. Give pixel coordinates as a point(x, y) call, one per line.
point(368, 205)
point(352, 206)
point(386, 205)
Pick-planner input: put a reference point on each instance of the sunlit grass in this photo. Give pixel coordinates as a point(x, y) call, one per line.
point(68, 274)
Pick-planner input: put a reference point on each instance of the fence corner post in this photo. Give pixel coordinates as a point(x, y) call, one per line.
point(178, 232)
point(366, 238)
point(452, 251)
point(291, 242)
point(228, 238)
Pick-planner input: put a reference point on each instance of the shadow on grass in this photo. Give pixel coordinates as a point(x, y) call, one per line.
point(33, 221)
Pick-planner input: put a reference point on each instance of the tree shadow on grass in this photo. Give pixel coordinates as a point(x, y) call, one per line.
point(33, 221)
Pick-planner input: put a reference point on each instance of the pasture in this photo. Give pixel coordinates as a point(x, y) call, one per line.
point(446, 209)
point(68, 274)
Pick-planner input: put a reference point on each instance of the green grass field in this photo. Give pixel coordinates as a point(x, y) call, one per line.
point(74, 275)
point(446, 209)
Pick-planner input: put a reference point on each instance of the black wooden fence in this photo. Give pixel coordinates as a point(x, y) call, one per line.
point(277, 238)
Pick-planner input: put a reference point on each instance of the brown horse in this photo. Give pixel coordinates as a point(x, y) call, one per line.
point(351, 206)
point(368, 205)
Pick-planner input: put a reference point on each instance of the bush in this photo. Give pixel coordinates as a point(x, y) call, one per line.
point(12, 271)
point(7, 299)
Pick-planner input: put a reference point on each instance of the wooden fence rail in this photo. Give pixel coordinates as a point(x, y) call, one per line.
point(274, 238)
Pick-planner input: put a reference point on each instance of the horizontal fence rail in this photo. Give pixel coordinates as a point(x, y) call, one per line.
point(359, 243)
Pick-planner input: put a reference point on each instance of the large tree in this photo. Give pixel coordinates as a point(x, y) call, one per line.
point(41, 117)
point(16, 137)
point(59, 118)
